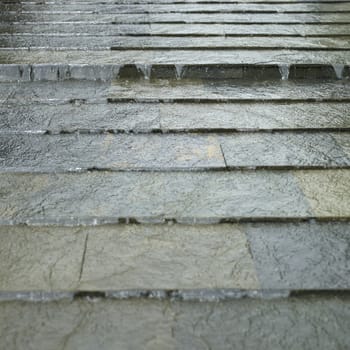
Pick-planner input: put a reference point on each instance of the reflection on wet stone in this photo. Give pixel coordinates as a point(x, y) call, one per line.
point(174, 175)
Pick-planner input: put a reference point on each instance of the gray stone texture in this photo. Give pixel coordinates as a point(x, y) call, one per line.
point(327, 192)
point(47, 153)
point(167, 257)
point(167, 117)
point(40, 258)
point(301, 256)
point(187, 57)
point(98, 197)
point(283, 149)
point(191, 8)
point(224, 91)
point(299, 323)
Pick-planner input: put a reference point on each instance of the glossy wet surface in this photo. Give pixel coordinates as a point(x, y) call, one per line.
point(174, 174)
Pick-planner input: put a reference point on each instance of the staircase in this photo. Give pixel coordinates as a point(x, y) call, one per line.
point(174, 174)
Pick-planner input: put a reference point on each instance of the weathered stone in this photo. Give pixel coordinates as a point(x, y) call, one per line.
point(100, 197)
point(343, 141)
point(94, 118)
point(283, 150)
point(194, 8)
point(46, 153)
point(301, 256)
point(167, 257)
point(327, 191)
point(226, 91)
point(253, 116)
point(160, 90)
point(178, 57)
point(38, 258)
point(298, 323)
point(158, 42)
point(168, 117)
point(173, 17)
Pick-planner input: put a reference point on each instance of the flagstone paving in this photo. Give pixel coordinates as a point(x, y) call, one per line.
point(174, 174)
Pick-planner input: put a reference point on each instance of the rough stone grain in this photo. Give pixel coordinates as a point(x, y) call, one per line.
point(301, 256)
point(145, 117)
point(39, 258)
point(283, 149)
point(167, 257)
point(99, 197)
point(47, 153)
point(304, 323)
point(327, 191)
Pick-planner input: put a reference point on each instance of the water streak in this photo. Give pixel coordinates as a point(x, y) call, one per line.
point(338, 70)
point(145, 69)
point(179, 70)
point(284, 71)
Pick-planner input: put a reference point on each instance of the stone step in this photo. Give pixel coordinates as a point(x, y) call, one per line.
point(77, 153)
point(225, 91)
point(109, 72)
point(301, 322)
point(187, 197)
point(173, 117)
point(176, 17)
point(179, 29)
point(21, 65)
point(334, 7)
point(162, 2)
point(263, 257)
point(165, 91)
point(171, 43)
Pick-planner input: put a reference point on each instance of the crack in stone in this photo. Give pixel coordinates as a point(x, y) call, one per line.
point(83, 257)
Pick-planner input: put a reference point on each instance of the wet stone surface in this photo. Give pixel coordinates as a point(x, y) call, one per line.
point(283, 149)
point(40, 258)
point(178, 57)
point(60, 153)
point(126, 221)
point(298, 323)
point(197, 259)
point(97, 197)
point(301, 256)
point(327, 191)
point(192, 8)
point(46, 153)
point(228, 91)
point(167, 117)
point(167, 257)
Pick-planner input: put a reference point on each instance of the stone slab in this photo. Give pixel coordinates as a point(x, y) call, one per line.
point(258, 116)
point(301, 256)
point(70, 153)
point(62, 153)
point(164, 257)
point(178, 29)
point(40, 118)
point(37, 258)
point(176, 8)
point(176, 57)
point(226, 91)
point(176, 43)
point(283, 150)
point(344, 142)
point(173, 117)
point(308, 72)
point(197, 197)
point(297, 323)
point(327, 191)
point(173, 17)
point(98, 2)
point(184, 91)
